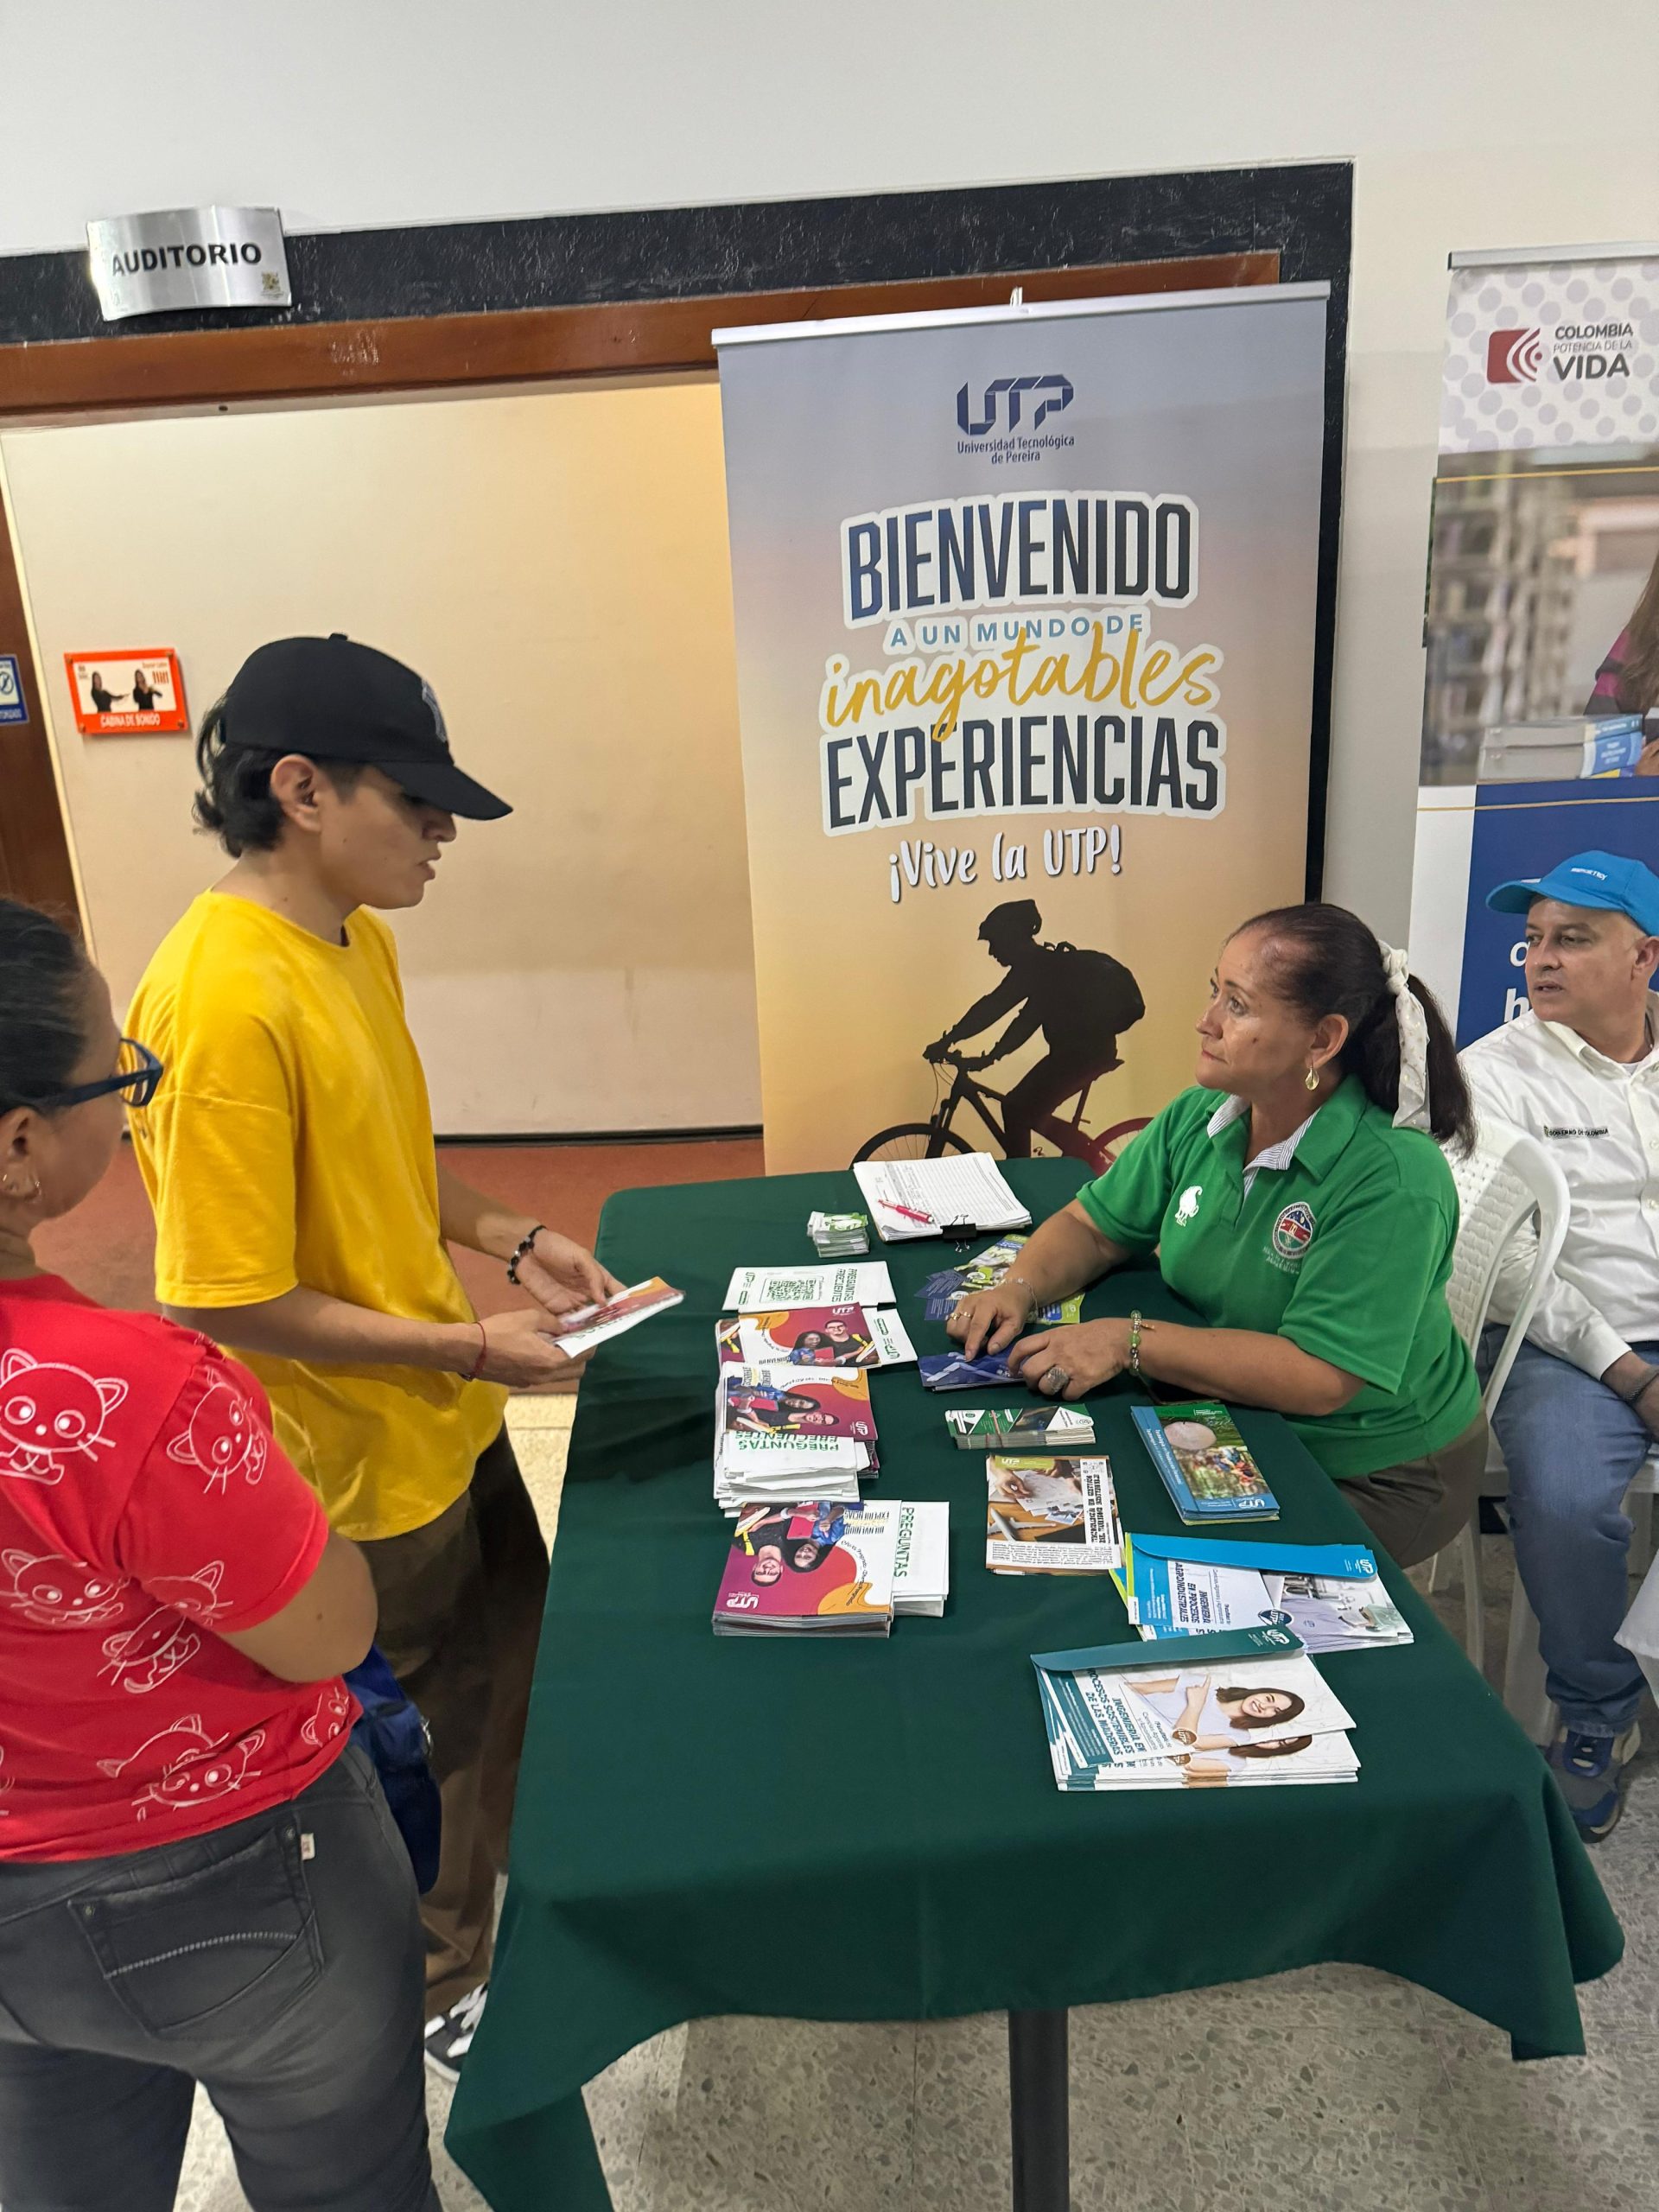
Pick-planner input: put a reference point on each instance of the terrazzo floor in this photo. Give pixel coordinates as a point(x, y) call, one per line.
point(1337, 2089)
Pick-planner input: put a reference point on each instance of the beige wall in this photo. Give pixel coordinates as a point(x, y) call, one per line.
point(555, 564)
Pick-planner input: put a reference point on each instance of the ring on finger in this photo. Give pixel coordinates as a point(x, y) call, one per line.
point(1053, 1380)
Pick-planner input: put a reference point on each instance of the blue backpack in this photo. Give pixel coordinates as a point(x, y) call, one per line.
point(392, 1736)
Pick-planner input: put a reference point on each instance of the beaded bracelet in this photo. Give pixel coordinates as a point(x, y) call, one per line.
point(1134, 1346)
point(523, 1246)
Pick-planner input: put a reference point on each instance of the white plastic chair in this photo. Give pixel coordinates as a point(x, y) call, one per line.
point(1505, 1183)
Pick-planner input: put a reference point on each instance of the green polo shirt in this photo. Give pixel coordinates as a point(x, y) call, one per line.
point(1346, 1251)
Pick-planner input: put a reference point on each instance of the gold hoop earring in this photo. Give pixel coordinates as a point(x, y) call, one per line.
point(1310, 1081)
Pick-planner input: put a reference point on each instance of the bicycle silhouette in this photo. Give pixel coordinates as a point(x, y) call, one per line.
point(929, 1140)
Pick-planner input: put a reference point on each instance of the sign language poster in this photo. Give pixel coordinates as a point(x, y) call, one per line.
point(1025, 605)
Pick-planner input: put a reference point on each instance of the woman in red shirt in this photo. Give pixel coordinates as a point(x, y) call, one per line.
point(199, 1880)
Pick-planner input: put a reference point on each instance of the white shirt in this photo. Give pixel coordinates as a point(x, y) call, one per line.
point(1272, 1155)
point(1600, 1120)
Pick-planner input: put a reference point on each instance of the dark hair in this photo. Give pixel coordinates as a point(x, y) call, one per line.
point(235, 801)
point(1330, 962)
point(42, 1005)
point(819, 1551)
point(1639, 679)
point(1293, 1704)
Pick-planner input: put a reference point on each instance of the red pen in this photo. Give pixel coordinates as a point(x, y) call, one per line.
point(909, 1212)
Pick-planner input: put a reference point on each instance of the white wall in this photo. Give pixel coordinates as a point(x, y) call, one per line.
point(1473, 123)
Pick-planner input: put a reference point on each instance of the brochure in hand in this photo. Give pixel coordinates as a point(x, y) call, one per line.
point(1329, 1596)
point(942, 1292)
point(1205, 1463)
point(1051, 1516)
point(597, 1325)
point(816, 1336)
point(1033, 1428)
point(763, 1290)
point(1246, 1709)
point(819, 1567)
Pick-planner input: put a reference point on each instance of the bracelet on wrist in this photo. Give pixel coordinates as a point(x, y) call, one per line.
point(477, 1367)
point(524, 1245)
point(1644, 1387)
point(1135, 1322)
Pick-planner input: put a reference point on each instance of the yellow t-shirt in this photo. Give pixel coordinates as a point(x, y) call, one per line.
point(290, 1142)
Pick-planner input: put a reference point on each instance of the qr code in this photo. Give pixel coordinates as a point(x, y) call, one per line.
point(786, 1286)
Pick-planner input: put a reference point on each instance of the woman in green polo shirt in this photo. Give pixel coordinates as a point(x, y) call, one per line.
point(1297, 1199)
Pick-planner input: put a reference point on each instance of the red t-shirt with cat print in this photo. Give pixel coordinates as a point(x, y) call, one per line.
point(143, 1505)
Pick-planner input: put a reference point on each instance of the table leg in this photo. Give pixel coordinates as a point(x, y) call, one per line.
point(1039, 2112)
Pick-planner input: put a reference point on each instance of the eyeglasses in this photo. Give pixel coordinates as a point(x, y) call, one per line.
point(137, 1071)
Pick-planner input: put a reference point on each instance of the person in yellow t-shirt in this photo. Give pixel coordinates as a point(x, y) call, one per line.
point(301, 1217)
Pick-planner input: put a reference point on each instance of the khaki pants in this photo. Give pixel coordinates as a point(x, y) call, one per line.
point(460, 1611)
point(1415, 1509)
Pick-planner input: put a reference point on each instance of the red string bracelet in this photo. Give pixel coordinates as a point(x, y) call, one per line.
point(477, 1368)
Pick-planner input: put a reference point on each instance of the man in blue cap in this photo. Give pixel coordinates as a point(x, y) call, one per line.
point(1579, 1070)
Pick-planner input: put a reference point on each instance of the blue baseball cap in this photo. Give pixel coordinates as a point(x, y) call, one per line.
point(1603, 879)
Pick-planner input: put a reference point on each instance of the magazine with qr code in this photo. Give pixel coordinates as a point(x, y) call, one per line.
point(765, 1290)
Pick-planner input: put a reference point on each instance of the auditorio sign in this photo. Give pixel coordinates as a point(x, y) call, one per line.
point(189, 257)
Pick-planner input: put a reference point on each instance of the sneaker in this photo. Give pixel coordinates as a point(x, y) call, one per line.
point(1590, 1771)
point(450, 2037)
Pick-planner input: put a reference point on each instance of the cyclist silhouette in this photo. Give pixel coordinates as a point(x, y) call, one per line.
point(1081, 1000)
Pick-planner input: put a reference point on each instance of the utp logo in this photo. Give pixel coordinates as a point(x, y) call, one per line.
point(1006, 395)
point(1514, 356)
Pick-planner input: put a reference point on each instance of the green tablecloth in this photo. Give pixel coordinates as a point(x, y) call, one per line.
point(827, 1831)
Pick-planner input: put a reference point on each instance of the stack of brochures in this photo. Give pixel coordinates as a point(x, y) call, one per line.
point(1031, 1428)
point(763, 1290)
point(1330, 1597)
point(943, 1292)
point(836, 1235)
point(817, 1567)
point(1205, 1463)
point(960, 1195)
point(1245, 1710)
point(779, 1430)
point(816, 1336)
point(1051, 1516)
point(921, 1565)
point(954, 1370)
point(596, 1324)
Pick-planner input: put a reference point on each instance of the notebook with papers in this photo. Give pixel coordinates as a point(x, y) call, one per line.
point(960, 1194)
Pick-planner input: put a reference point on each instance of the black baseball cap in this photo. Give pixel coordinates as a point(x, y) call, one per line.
point(333, 699)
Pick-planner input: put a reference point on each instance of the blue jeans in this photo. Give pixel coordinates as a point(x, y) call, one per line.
point(277, 1961)
point(1571, 1448)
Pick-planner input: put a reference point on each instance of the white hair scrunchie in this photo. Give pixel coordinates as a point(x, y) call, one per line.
point(1412, 1112)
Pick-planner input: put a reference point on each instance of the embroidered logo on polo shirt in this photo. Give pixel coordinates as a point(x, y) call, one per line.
point(1293, 1231)
point(1188, 1207)
point(1600, 1132)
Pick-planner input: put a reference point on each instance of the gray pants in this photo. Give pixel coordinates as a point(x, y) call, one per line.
point(276, 1961)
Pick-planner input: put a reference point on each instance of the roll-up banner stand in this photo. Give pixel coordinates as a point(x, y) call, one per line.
point(1541, 712)
point(1026, 618)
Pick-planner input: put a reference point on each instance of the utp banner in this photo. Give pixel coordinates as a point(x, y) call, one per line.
point(1025, 609)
